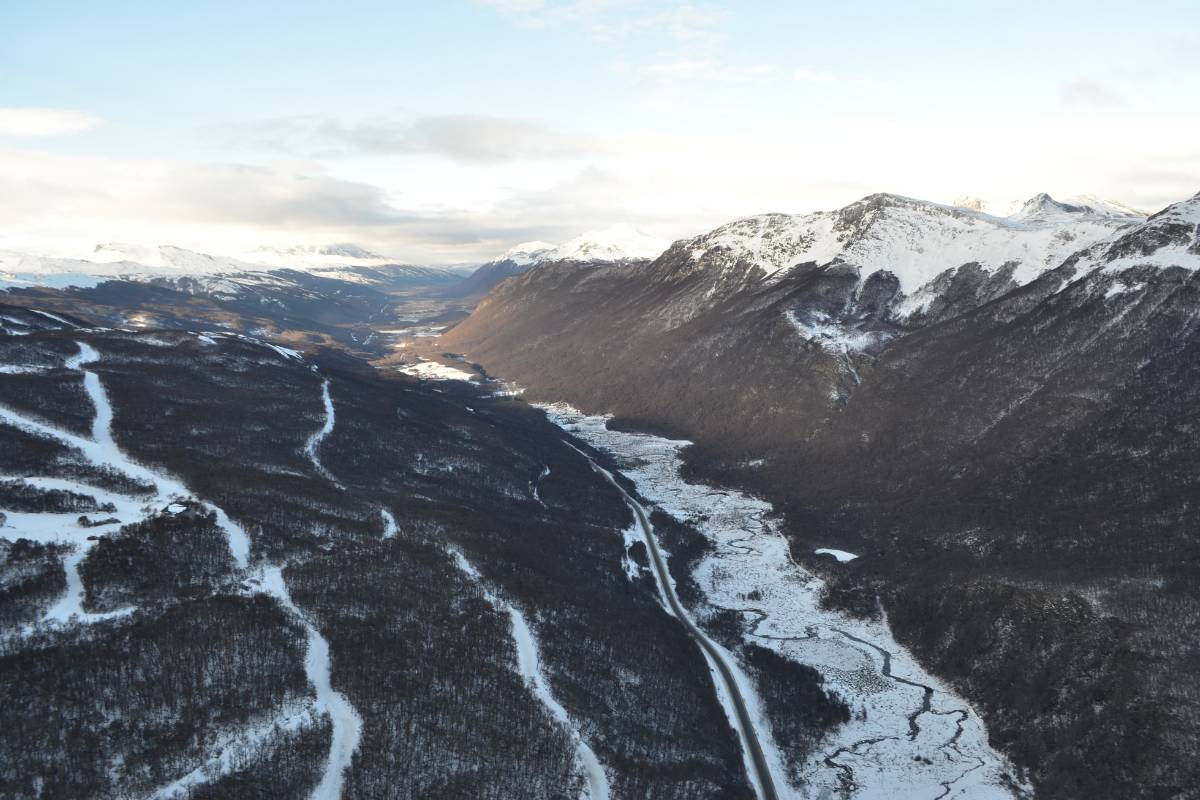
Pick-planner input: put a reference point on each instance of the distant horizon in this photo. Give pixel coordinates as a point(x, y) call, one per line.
point(994, 208)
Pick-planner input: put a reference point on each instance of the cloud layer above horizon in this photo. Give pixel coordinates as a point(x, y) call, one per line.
point(449, 134)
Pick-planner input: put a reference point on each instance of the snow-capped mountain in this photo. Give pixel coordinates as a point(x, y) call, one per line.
point(143, 262)
point(525, 253)
point(619, 244)
point(167, 258)
point(616, 243)
point(914, 240)
point(998, 415)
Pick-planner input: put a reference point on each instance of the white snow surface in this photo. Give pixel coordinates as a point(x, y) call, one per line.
point(913, 239)
point(347, 725)
point(617, 243)
point(389, 524)
point(530, 668)
point(840, 555)
point(752, 555)
point(314, 442)
point(64, 528)
point(526, 253)
point(433, 371)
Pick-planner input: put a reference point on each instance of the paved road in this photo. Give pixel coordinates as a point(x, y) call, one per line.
point(766, 783)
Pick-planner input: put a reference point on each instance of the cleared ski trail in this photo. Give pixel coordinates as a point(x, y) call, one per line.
point(530, 667)
point(311, 448)
point(101, 449)
point(347, 725)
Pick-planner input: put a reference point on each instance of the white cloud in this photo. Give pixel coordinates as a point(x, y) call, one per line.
point(462, 137)
point(669, 184)
point(35, 122)
point(1086, 93)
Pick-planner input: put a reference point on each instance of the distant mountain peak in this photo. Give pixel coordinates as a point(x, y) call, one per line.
point(526, 252)
point(616, 243)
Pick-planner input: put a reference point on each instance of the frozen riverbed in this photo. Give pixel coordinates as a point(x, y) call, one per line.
point(909, 735)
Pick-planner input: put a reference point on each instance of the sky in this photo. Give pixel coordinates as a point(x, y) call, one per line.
point(446, 132)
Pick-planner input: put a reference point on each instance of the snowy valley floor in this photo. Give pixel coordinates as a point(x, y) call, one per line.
point(909, 736)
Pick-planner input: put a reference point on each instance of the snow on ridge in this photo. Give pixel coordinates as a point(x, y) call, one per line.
point(914, 239)
point(616, 243)
point(525, 253)
point(1170, 238)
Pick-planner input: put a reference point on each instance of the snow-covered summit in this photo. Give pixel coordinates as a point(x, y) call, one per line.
point(615, 244)
point(526, 253)
point(1043, 207)
point(915, 240)
point(166, 258)
point(319, 256)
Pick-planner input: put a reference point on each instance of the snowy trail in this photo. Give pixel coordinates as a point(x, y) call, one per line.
point(314, 441)
point(530, 668)
point(898, 711)
point(347, 725)
point(764, 764)
point(102, 450)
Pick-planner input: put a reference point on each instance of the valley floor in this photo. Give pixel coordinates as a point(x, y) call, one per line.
point(908, 736)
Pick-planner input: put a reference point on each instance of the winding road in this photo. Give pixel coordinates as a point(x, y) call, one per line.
point(757, 761)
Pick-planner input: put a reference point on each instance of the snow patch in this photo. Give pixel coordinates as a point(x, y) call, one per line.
point(433, 371)
point(389, 524)
point(1120, 287)
point(841, 555)
point(833, 337)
